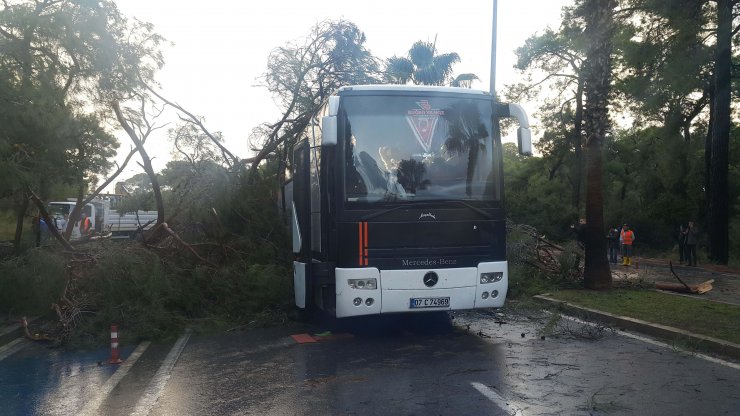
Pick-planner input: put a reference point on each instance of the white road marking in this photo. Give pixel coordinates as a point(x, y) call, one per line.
point(9, 329)
point(661, 344)
point(92, 406)
point(159, 381)
point(11, 348)
point(496, 398)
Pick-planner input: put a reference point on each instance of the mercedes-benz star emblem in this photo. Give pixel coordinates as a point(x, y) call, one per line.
point(431, 279)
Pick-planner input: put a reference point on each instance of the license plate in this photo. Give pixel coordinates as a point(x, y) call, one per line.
point(415, 303)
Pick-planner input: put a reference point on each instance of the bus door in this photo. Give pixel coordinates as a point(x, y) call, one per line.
point(302, 224)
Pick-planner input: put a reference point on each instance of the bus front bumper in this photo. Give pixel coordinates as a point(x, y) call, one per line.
point(369, 291)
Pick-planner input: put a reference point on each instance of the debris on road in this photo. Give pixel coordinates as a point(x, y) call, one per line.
point(303, 338)
point(700, 288)
point(36, 336)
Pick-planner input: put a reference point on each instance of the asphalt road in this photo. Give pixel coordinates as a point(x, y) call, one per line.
point(480, 363)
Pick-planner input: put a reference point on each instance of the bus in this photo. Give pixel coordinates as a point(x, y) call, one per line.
point(396, 201)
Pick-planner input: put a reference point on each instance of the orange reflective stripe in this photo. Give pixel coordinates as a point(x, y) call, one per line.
point(362, 237)
point(365, 234)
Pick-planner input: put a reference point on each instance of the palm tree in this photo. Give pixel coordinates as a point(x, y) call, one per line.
point(423, 66)
point(599, 18)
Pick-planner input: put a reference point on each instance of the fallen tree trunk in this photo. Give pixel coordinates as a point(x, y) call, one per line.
point(700, 288)
point(682, 287)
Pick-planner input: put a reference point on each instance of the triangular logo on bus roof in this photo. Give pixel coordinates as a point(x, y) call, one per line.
point(423, 122)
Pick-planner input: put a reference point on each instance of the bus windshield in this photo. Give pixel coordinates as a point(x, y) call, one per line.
point(412, 148)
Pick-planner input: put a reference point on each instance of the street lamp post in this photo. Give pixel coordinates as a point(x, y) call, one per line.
point(493, 50)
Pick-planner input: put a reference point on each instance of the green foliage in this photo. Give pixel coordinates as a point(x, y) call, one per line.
point(148, 296)
point(655, 172)
point(62, 63)
point(525, 282)
point(239, 291)
point(534, 199)
point(302, 76)
point(154, 294)
point(31, 283)
point(131, 287)
point(253, 215)
point(666, 62)
point(653, 181)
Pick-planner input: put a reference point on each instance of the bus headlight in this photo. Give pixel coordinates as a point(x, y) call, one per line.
point(369, 284)
point(491, 277)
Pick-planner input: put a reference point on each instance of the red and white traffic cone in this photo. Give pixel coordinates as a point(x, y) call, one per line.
point(114, 358)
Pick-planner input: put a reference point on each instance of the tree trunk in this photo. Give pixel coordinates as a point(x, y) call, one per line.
point(20, 219)
point(599, 29)
point(718, 174)
point(43, 213)
point(708, 154)
point(147, 162)
point(578, 144)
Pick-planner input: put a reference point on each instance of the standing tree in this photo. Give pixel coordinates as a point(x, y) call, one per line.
point(720, 136)
point(559, 55)
point(599, 21)
point(65, 61)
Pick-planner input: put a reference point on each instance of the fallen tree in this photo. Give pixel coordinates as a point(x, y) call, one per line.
point(526, 246)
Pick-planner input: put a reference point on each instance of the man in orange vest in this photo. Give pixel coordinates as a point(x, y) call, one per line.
point(85, 225)
point(627, 237)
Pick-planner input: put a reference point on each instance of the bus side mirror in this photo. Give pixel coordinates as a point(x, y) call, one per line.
point(524, 140)
point(523, 134)
point(329, 131)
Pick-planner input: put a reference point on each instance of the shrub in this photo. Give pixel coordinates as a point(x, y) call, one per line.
point(30, 283)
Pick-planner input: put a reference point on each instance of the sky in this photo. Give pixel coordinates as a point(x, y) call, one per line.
point(220, 49)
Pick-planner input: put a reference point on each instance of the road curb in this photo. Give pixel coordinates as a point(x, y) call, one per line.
point(703, 342)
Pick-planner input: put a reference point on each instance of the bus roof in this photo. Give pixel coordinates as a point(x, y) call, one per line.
point(411, 88)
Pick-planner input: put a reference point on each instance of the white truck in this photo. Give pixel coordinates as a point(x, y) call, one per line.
point(104, 219)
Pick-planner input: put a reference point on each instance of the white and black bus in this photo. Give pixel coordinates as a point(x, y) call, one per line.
point(397, 201)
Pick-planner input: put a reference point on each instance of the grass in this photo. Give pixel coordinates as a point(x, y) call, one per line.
point(695, 315)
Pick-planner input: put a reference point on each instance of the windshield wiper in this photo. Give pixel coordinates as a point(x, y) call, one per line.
point(417, 205)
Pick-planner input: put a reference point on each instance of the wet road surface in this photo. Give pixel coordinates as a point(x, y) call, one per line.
point(483, 363)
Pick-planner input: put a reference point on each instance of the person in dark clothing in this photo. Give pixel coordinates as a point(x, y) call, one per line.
point(612, 239)
point(691, 240)
point(580, 230)
point(681, 244)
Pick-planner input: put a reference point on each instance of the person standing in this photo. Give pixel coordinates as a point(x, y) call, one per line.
point(62, 223)
point(691, 240)
point(627, 237)
point(612, 240)
point(580, 230)
point(85, 225)
point(43, 230)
